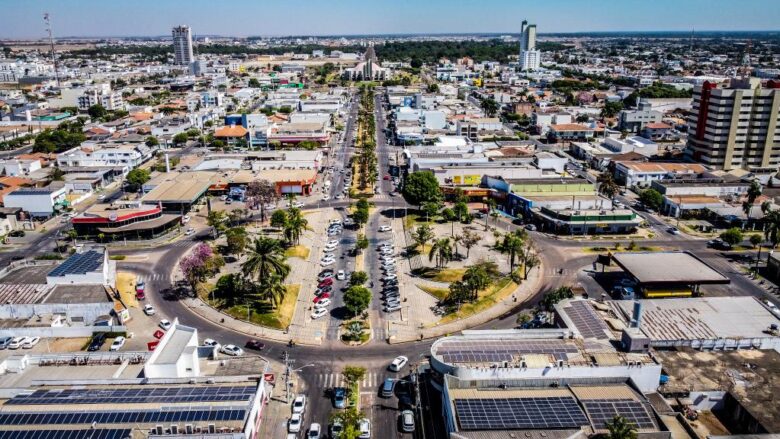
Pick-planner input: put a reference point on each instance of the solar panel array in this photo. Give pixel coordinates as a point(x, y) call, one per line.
point(493, 351)
point(587, 321)
point(79, 263)
point(602, 411)
point(124, 417)
point(519, 413)
point(136, 395)
point(104, 433)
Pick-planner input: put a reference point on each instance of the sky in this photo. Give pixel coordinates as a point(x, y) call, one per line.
point(23, 18)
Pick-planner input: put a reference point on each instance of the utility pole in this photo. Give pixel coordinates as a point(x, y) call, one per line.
point(287, 365)
point(51, 44)
point(417, 398)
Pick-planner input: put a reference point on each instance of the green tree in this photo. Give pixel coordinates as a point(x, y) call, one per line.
point(512, 245)
point(441, 250)
point(449, 215)
point(431, 209)
point(420, 187)
point(756, 240)
point(136, 178)
point(361, 243)
point(357, 299)
point(237, 240)
point(56, 174)
point(551, 298)
point(476, 279)
point(753, 192)
point(353, 374)
point(529, 256)
point(295, 225)
point(180, 139)
point(732, 236)
point(607, 185)
point(433, 88)
point(358, 278)
point(217, 220)
point(270, 289)
point(279, 219)
point(360, 216)
point(461, 210)
point(265, 258)
point(422, 235)
point(651, 198)
point(611, 109)
point(97, 112)
point(152, 141)
point(620, 428)
point(469, 239)
point(490, 107)
point(772, 220)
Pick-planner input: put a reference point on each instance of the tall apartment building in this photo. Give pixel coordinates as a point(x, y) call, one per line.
point(182, 45)
point(530, 58)
point(736, 125)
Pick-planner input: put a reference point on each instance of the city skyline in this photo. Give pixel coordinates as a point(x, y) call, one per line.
point(351, 17)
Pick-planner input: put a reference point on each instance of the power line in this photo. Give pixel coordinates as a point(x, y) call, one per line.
point(47, 20)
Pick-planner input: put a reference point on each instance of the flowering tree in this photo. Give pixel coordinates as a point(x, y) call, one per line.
point(195, 266)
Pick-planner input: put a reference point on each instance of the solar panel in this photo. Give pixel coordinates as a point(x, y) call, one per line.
point(493, 351)
point(587, 321)
point(602, 411)
point(104, 433)
point(79, 263)
point(133, 417)
point(519, 413)
point(136, 395)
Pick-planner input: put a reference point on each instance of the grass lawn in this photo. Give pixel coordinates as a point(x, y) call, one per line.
point(496, 293)
point(278, 318)
point(298, 251)
point(439, 293)
point(412, 220)
point(448, 275)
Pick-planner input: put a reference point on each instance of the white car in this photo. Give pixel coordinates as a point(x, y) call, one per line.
point(299, 404)
point(318, 312)
point(117, 344)
point(324, 303)
point(364, 428)
point(16, 342)
point(326, 262)
point(339, 196)
point(335, 222)
point(341, 275)
point(326, 198)
point(232, 350)
point(294, 424)
point(315, 431)
point(389, 276)
point(384, 228)
point(328, 255)
point(392, 308)
point(189, 231)
point(149, 310)
point(398, 363)
point(211, 343)
point(165, 324)
point(29, 342)
point(296, 204)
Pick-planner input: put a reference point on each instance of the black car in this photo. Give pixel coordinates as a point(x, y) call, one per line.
point(97, 342)
point(255, 344)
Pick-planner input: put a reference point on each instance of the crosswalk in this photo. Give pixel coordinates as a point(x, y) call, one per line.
point(552, 271)
point(153, 277)
point(335, 379)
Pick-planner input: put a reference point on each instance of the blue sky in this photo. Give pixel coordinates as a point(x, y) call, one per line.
point(22, 18)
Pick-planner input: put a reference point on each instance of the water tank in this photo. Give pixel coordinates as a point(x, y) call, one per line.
point(636, 319)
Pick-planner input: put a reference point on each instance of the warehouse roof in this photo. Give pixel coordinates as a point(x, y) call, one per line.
point(668, 268)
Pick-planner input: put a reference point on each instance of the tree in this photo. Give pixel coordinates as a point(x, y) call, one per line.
point(265, 258)
point(217, 220)
point(237, 240)
point(152, 141)
point(361, 243)
point(357, 299)
point(258, 194)
point(651, 198)
point(512, 245)
point(551, 298)
point(353, 374)
point(611, 109)
point(420, 187)
point(196, 266)
point(772, 230)
point(732, 236)
point(449, 216)
point(433, 88)
point(56, 174)
point(358, 278)
point(279, 219)
point(620, 428)
point(470, 239)
point(360, 216)
point(476, 279)
point(490, 107)
point(756, 240)
point(422, 235)
point(180, 139)
point(461, 210)
point(607, 185)
point(441, 250)
point(530, 257)
point(753, 192)
point(136, 178)
point(295, 225)
point(97, 111)
point(431, 208)
point(271, 289)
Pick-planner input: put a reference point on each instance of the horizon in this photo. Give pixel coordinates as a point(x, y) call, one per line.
point(154, 19)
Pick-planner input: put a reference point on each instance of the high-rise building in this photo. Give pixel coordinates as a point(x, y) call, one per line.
point(530, 58)
point(182, 45)
point(736, 125)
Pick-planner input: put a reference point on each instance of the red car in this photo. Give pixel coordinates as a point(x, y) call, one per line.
point(326, 282)
point(255, 344)
point(322, 297)
point(387, 176)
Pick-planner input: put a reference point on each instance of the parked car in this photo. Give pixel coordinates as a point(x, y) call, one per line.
point(387, 388)
point(341, 275)
point(165, 324)
point(315, 431)
point(364, 429)
point(117, 344)
point(673, 230)
point(392, 308)
point(407, 421)
point(340, 397)
point(4, 341)
point(299, 404)
point(232, 350)
point(336, 428)
point(328, 281)
point(294, 424)
point(211, 343)
point(30, 342)
point(16, 342)
point(384, 228)
point(149, 310)
point(255, 344)
point(324, 303)
point(318, 312)
point(530, 227)
point(97, 342)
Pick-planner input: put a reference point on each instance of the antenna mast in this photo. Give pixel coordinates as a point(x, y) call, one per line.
point(51, 44)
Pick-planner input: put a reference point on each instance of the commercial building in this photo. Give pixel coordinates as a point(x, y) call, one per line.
point(100, 155)
point(635, 120)
point(670, 273)
point(736, 125)
point(643, 174)
point(571, 132)
point(115, 223)
point(182, 45)
point(530, 58)
point(38, 202)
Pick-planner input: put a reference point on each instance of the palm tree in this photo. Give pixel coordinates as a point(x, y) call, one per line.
point(513, 246)
point(265, 259)
point(422, 235)
point(772, 230)
point(442, 251)
point(295, 225)
point(477, 279)
point(620, 428)
point(271, 290)
point(607, 185)
point(753, 192)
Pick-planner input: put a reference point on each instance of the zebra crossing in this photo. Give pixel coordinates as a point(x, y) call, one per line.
point(153, 277)
point(552, 271)
point(335, 379)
